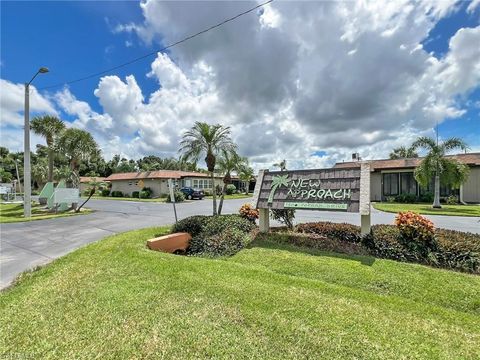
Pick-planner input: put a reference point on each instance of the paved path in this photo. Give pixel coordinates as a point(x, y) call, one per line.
point(26, 245)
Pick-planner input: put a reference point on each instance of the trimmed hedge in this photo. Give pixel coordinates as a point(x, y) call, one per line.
point(116, 193)
point(454, 250)
point(221, 235)
point(105, 192)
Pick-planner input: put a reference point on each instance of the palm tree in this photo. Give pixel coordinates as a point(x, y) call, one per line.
point(282, 165)
point(208, 140)
point(246, 174)
point(228, 161)
point(403, 152)
point(93, 185)
point(435, 165)
point(77, 145)
point(50, 127)
point(40, 172)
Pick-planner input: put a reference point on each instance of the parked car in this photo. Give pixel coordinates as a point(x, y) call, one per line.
point(191, 193)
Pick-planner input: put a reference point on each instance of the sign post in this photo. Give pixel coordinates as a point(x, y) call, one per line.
point(172, 198)
point(346, 190)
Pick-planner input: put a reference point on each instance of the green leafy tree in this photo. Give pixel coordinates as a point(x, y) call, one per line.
point(50, 127)
point(228, 162)
point(435, 165)
point(246, 175)
point(40, 171)
point(209, 140)
point(77, 145)
point(403, 152)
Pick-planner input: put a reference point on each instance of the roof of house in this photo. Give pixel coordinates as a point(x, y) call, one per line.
point(158, 174)
point(472, 159)
point(86, 179)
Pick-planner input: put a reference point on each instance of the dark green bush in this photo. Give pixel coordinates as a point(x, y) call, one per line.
point(406, 198)
point(145, 194)
point(219, 223)
point(105, 192)
point(226, 243)
point(345, 232)
point(86, 192)
point(230, 189)
point(135, 194)
point(117, 193)
point(285, 216)
point(426, 197)
point(192, 225)
point(452, 200)
point(179, 196)
point(383, 241)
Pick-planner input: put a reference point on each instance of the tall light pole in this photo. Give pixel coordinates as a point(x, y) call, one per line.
point(27, 182)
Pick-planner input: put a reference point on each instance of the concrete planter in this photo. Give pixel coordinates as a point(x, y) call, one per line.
point(170, 243)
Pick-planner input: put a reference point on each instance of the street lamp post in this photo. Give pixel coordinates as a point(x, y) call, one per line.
point(27, 184)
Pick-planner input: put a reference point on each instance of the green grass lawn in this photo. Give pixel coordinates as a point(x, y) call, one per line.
point(452, 210)
point(115, 299)
point(10, 213)
point(233, 196)
point(126, 199)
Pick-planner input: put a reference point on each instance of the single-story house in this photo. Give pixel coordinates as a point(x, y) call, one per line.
point(85, 182)
point(390, 178)
point(158, 181)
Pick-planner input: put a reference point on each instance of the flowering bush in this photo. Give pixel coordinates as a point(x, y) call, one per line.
point(417, 233)
point(248, 212)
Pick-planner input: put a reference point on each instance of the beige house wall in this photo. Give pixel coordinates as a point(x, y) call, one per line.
point(471, 189)
point(127, 187)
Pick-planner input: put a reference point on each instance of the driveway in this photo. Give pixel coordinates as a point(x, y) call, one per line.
point(26, 245)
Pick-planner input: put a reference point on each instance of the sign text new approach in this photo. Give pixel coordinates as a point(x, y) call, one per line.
point(345, 190)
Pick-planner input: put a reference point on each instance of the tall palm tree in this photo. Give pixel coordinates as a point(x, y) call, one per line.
point(50, 127)
point(208, 140)
point(403, 152)
point(435, 165)
point(228, 162)
point(246, 175)
point(282, 165)
point(77, 145)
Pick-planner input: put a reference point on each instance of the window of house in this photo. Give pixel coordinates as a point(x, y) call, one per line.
point(408, 185)
point(129, 183)
point(390, 184)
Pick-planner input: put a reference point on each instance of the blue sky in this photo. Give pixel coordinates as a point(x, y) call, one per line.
point(74, 39)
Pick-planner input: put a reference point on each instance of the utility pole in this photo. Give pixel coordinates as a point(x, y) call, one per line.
point(27, 182)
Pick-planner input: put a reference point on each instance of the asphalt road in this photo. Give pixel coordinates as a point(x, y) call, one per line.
point(26, 245)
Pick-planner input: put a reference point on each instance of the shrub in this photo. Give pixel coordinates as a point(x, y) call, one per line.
point(383, 241)
point(192, 225)
point(135, 194)
point(219, 223)
point(117, 193)
point(105, 192)
point(452, 200)
point(390, 199)
point(406, 198)
point(426, 197)
point(230, 189)
point(145, 194)
point(86, 192)
point(285, 216)
point(226, 243)
point(417, 233)
point(344, 232)
point(148, 193)
point(179, 196)
point(248, 212)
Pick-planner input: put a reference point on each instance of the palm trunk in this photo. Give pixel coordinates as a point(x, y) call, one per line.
point(89, 196)
point(436, 197)
point(50, 165)
point(224, 190)
point(214, 194)
point(247, 189)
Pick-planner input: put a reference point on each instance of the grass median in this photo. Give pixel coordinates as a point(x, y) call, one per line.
point(11, 213)
point(427, 209)
point(117, 299)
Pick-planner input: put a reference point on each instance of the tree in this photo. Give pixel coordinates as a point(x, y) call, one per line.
point(282, 165)
point(77, 145)
point(208, 140)
point(228, 162)
point(246, 175)
point(435, 165)
point(403, 152)
point(40, 171)
point(93, 185)
point(50, 127)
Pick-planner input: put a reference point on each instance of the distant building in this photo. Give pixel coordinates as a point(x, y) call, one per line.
point(158, 181)
point(390, 178)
